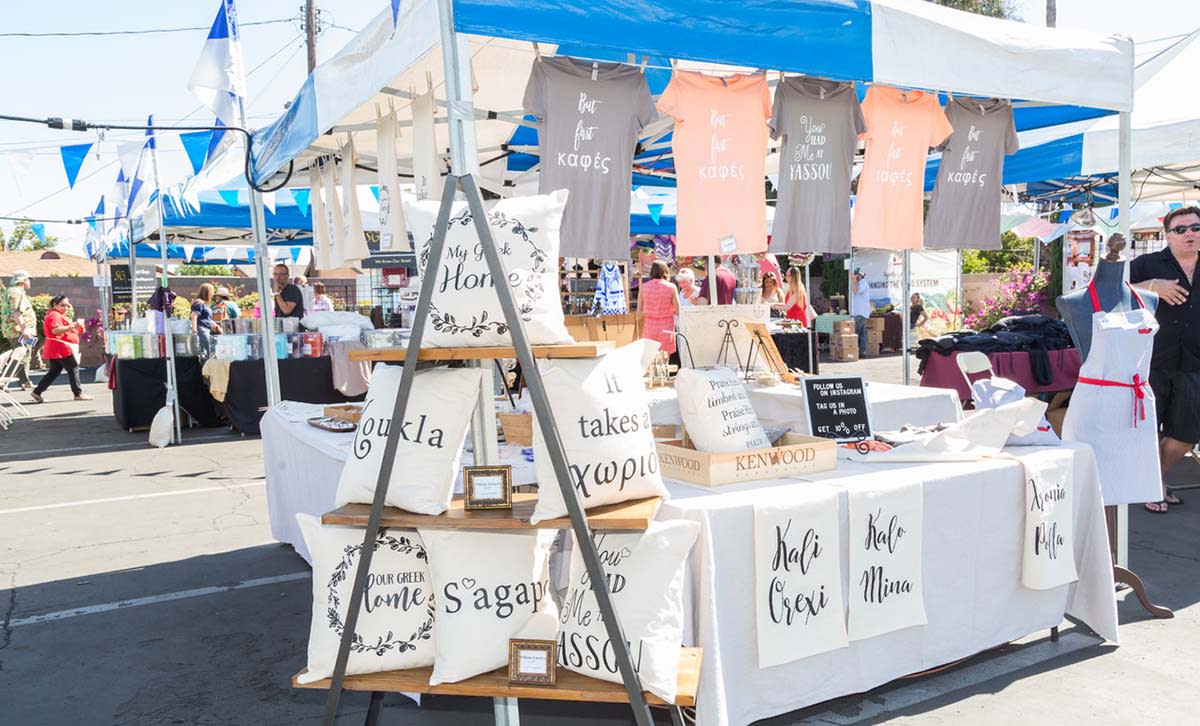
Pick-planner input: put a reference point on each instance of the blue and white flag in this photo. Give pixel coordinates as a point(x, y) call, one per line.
point(143, 182)
point(219, 78)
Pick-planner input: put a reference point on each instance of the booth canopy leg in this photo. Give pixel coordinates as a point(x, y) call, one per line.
point(375, 709)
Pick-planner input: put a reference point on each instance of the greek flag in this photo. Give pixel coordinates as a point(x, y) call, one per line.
point(219, 78)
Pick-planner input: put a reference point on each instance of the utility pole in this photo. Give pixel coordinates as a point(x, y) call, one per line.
point(1051, 13)
point(310, 32)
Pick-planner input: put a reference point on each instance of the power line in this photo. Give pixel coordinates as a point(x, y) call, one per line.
point(185, 118)
point(146, 31)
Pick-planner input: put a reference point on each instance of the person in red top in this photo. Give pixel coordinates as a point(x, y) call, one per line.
point(796, 299)
point(62, 340)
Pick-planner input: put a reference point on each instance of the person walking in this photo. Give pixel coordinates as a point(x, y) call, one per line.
point(62, 346)
point(657, 306)
point(202, 318)
point(18, 322)
point(1175, 362)
point(860, 308)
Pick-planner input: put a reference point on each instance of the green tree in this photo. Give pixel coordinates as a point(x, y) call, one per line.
point(23, 238)
point(1015, 253)
point(204, 270)
point(992, 8)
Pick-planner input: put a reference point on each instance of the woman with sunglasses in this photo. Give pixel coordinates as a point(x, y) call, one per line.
point(62, 342)
point(1175, 362)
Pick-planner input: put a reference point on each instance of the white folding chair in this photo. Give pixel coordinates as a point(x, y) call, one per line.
point(972, 363)
point(10, 361)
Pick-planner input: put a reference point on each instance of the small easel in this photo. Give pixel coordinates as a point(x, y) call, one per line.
point(728, 343)
point(760, 339)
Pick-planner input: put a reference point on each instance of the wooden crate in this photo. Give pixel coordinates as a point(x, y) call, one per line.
point(795, 454)
point(517, 427)
point(632, 516)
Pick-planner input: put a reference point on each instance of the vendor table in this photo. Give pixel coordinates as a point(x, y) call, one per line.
point(303, 464)
point(942, 371)
point(892, 406)
point(973, 526)
point(140, 391)
point(309, 380)
point(797, 350)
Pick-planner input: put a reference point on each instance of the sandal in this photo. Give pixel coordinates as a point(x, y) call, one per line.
point(1159, 507)
point(1172, 499)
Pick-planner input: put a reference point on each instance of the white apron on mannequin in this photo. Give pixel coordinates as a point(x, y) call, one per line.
point(1112, 408)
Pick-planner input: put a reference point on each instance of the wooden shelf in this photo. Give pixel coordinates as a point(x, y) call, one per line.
point(571, 686)
point(627, 516)
point(586, 349)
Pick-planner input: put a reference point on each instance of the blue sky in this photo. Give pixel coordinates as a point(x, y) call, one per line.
point(126, 77)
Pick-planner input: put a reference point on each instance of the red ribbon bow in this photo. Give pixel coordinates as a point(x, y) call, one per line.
point(1139, 393)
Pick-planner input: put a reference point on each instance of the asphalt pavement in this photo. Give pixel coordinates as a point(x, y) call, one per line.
point(142, 587)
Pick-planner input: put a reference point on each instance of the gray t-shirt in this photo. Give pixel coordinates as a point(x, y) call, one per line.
point(819, 122)
point(965, 209)
point(587, 131)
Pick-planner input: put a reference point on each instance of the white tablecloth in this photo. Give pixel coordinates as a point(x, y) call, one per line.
point(892, 406)
point(303, 465)
point(973, 528)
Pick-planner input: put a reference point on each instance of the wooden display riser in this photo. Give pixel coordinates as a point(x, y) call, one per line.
point(627, 516)
point(571, 686)
point(591, 349)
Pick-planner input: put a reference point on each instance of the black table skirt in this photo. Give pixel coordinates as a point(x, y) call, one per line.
point(309, 380)
point(141, 390)
point(796, 351)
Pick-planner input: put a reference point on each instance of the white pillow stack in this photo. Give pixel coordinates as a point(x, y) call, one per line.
point(489, 587)
point(396, 622)
point(603, 416)
point(717, 413)
point(465, 309)
point(431, 439)
point(645, 575)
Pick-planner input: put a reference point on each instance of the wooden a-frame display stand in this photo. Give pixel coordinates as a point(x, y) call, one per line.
point(630, 515)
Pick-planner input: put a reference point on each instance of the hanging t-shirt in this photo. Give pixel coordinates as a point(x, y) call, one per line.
point(819, 122)
point(720, 146)
point(901, 127)
point(965, 210)
point(587, 131)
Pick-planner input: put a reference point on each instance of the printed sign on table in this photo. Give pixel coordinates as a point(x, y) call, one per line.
point(886, 581)
point(837, 407)
point(798, 577)
point(1049, 557)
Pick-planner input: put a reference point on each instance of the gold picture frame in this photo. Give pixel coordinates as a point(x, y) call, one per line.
point(487, 487)
point(532, 662)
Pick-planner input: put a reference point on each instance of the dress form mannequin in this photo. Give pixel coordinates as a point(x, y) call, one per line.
point(1076, 306)
point(1080, 310)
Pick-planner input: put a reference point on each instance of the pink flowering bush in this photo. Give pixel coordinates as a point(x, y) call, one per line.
point(1021, 291)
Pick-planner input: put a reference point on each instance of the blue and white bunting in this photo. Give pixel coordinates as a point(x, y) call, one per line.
point(73, 157)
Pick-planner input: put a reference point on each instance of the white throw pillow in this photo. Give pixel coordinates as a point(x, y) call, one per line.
point(396, 621)
point(465, 308)
point(431, 439)
point(489, 587)
point(716, 411)
point(603, 416)
point(645, 575)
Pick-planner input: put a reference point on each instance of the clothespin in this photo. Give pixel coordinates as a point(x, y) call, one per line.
point(630, 58)
point(645, 60)
point(595, 69)
point(429, 80)
point(537, 51)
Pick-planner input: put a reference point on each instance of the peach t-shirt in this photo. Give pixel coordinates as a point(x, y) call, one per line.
point(891, 188)
point(720, 146)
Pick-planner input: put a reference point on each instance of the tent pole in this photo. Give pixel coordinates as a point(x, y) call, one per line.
point(266, 301)
point(907, 334)
point(1124, 187)
point(133, 308)
point(464, 160)
point(164, 282)
point(712, 280)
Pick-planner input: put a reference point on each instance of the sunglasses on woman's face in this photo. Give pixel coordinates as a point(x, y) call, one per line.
point(1182, 228)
